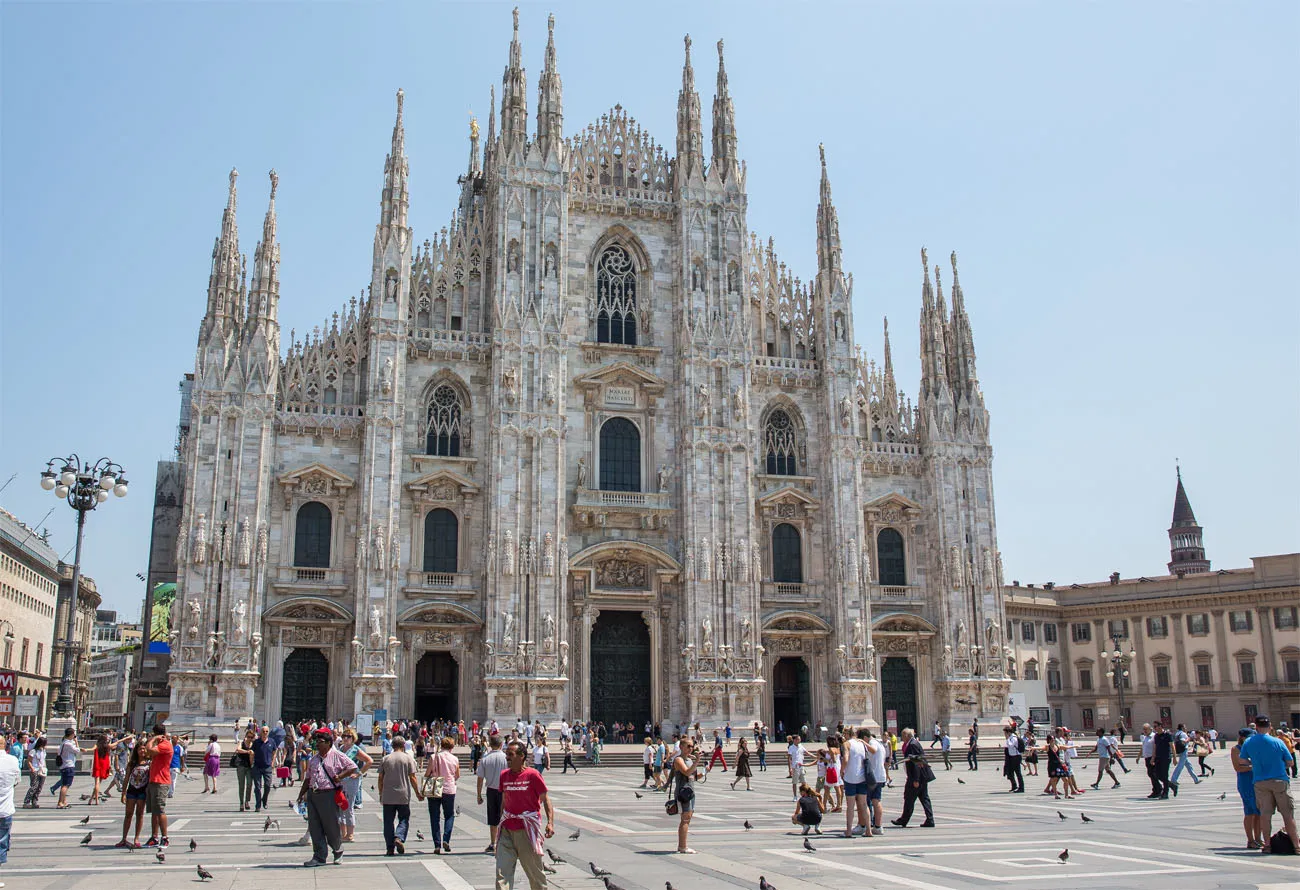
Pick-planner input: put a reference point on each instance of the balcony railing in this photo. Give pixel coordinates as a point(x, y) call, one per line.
point(789, 591)
point(441, 581)
point(301, 575)
point(896, 593)
point(785, 363)
point(652, 500)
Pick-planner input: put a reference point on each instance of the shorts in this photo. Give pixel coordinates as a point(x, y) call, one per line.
point(821, 783)
point(66, 775)
point(493, 807)
point(156, 798)
point(854, 789)
point(649, 771)
point(874, 792)
point(135, 793)
point(1274, 794)
point(687, 806)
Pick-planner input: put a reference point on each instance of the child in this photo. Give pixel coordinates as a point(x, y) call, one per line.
point(807, 810)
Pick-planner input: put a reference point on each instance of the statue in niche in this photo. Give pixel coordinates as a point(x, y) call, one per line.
point(548, 388)
point(842, 660)
point(702, 397)
point(255, 653)
point(361, 548)
point(196, 610)
point(507, 630)
point(564, 657)
point(244, 549)
point(390, 287)
point(859, 637)
point(839, 327)
point(564, 557)
point(706, 635)
point(263, 541)
point(214, 649)
point(548, 631)
point(688, 660)
point(976, 662)
point(357, 646)
point(757, 561)
point(690, 561)
point(548, 554)
point(706, 560)
point(182, 538)
point(947, 660)
point(582, 472)
point(664, 475)
point(871, 662)
point(376, 626)
point(513, 257)
point(508, 553)
point(681, 631)
point(510, 385)
point(397, 549)
point(381, 548)
point(238, 622)
point(489, 653)
point(852, 548)
point(959, 635)
point(746, 632)
point(201, 540)
point(741, 556)
point(387, 375)
point(954, 567)
point(846, 411)
point(394, 647)
point(988, 568)
point(738, 403)
point(490, 552)
point(866, 563)
point(549, 267)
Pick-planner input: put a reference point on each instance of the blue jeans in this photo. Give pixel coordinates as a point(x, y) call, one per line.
point(1183, 765)
point(446, 805)
point(6, 822)
point(401, 813)
point(262, 786)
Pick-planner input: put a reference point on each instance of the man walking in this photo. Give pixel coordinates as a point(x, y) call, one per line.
point(396, 784)
point(938, 731)
point(1013, 751)
point(489, 772)
point(919, 777)
point(159, 748)
point(68, 753)
point(9, 773)
point(263, 758)
point(1269, 759)
point(1105, 754)
point(523, 798)
point(1180, 749)
point(1164, 753)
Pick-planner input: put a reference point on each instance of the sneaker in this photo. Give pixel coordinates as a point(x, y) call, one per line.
point(165, 843)
point(152, 842)
point(877, 831)
point(312, 863)
point(491, 848)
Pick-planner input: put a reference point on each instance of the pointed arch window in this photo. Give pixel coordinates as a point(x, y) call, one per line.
point(787, 554)
point(441, 541)
point(890, 558)
point(616, 309)
point(443, 423)
point(620, 456)
point(311, 544)
point(780, 443)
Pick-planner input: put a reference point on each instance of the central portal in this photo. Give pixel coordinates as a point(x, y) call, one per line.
point(898, 693)
point(437, 680)
point(620, 668)
point(791, 696)
point(305, 693)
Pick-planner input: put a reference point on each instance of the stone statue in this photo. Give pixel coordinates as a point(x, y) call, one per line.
point(201, 540)
point(510, 385)
point(582, 472)
point(395, 537)
point(376, 626)
point(947, 661)
point(989, 580)
point(757, 563)
point(548, 554)
point(681, 631)
point(738, 403)
point(548, 389)
point(244, 547)
point(564, 657)
point(490, 552)
point(196, 610)
point(976, 662)
point(508, 553)
point(507, 630)
point(357, 646)
point(706, 560)
point(263, 541)
point(846, 411)
point(394, 647)
point(688, 660)
point(489, 653)
point(746, 632)
point(690, 561)
point(238, 622)
point(842, 660)
point(386, 378)
point(381, 548)
point(182, 538)
point(954, 567)
point(528, 556)
point(852, 548)
point(173, 636)
point(548, 630)
point(706, 635)
point(866, 564)
point(722, 560)
point(702, 401)
point(741, 556)
point(664, 475)
point(859, 637)
point(548, 269)
point(871, 662)
point(959, 636)
point(361, 548)
point(564, 558)
point(214, 649)
point(255, 653)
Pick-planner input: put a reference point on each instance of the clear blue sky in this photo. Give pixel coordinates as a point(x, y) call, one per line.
point(1120, 181)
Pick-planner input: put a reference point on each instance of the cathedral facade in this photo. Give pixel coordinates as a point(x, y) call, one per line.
point(590, 452)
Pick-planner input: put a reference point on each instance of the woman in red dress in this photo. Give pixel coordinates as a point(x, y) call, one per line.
point(101, 767)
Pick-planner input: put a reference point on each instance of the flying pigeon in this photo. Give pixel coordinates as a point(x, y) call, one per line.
point(748, 825)
point(554, 858)
point(85, 841)
point(194, 845)
point(204, 874)
point(160, 856)
point(85, 820)
point(1084, 817)
point(638, 794)
point(1062, 815)
point(598, 871)
point(610, 885)
point(764, 885)
point(576, 834)
point(1065, 855)
point(808, 846)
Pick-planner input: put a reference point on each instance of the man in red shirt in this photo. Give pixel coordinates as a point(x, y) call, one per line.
point(523, 797)
point(159, 750)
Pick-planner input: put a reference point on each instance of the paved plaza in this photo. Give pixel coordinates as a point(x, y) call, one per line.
point(984, 837)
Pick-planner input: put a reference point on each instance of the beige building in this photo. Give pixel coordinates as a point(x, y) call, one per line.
point(29, 587)
point(88, 600)
point(1202, 647)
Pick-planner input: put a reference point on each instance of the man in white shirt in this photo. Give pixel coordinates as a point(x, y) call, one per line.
point(799, 758)
point(565, 731)
point(9, 773)
point(1105, 754)
point(647, 762)
point(1149, 759)
point(489, 774)
point(1013, 749)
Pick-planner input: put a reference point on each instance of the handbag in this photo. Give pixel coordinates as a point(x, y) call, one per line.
point(431, 787)
point(340, 798)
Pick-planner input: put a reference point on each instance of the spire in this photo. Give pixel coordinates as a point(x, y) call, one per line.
point(828, 224)
point(890, 385)
point(490, 148)
point(690, 137)
point(395, 200)
point(223, 281)
point(724, 126)
point(265, 299)
point(963, 340)
point(550, 97)
point(1186, 541)
point(514, 104)
point(934, 335)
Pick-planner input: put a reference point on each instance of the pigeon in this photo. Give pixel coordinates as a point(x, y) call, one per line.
point(668, 885)
point(598, 871)
point(748, 825)
point(85, 841)
point(457, 809)
point(808, 846)
point(764, 885)
point(576, 834)
point(204, 874)
point(194, 845)
point(549, 870)
point(554, 858)
point(1223, 796)
point(85, 820)
point(961, 781)
point(160, 856)
point(1084, 818)
point(1065, 855)
point(1062, 815)
point(85, 796)
point(638, 794)
point(610, 885)
point(419, 835)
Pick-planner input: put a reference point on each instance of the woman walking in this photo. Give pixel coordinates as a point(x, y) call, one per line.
point(1031, 754)
point(320, 791)
point(685, 775)
point(352, 784)
point(1202, 750)
point(101, 766)
point(243, 761)
point(442, 765)
point(742, 765)
point(39, 769)
point(760, 745)
point(211, 764)
point(133, 796)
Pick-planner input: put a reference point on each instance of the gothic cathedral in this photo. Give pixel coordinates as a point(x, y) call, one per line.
point(591, 452)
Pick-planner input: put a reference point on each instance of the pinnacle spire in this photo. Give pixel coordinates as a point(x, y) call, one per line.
point(550, 96)
point(395, 199)
point(966, 381)
point(724, 126)
point(265, 297)
point(828, 223)
point(891, 386)
point(223, 281)
point(690, 137)
point(514, 103)
point(1186, 541)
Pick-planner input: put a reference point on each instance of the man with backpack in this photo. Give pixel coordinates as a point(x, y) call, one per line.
point(1180, 749)
point(1013, 752)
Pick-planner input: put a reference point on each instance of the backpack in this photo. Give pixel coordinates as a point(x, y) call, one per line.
point(1280, 844)
point(1020, 744)
point(1180, 744)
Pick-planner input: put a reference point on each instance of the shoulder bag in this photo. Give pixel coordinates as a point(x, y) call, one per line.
point(432, 785)
point(340, 798)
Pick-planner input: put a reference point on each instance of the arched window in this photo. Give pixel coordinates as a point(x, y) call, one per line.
point(443, 423)
point(441, 541)
point(787, 554)
point(780, 444)
point(616, 311)
point(620, 456)
point(889, 556)
point(311, 544)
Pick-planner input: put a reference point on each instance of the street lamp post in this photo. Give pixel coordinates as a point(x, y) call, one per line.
point(1118, 673)
point(84, 486)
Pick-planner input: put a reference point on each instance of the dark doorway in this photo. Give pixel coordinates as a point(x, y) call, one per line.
point(898, 692)
point(437, 681)
point(305, 694)
point(620, 669)
point(791, 697)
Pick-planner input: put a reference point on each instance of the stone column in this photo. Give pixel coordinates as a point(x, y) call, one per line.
point(651, 618)
point(1137, 633)
point(1226, 683)
point(1265, 616)
point(1180, 652)
point(580, 692)
point(273, 676)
